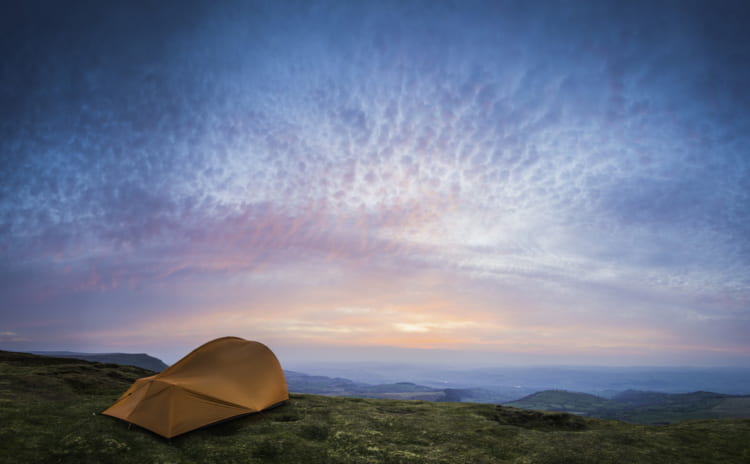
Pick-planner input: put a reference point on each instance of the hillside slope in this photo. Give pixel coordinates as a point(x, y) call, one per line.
point(641, 407)
point(49, 410)
point(560, 400)
point(141, 360)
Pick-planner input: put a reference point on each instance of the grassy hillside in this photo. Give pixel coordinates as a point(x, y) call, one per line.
point(641, 407)
point(126, 359)
point(559, 400)
point(49, 411)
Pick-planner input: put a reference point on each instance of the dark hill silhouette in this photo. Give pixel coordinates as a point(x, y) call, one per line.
point(141, 360)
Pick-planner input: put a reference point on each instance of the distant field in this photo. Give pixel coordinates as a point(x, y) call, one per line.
point(49, 413)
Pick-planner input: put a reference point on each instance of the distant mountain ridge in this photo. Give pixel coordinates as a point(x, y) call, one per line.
point(141, 360)
point(643, 407)
point(299, 382)
point(562, 400)
point(637, 406)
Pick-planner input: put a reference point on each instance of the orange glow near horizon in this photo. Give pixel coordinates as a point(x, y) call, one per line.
point(421, 326)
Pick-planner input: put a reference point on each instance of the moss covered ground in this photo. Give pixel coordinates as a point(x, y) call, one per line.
point(49, 414)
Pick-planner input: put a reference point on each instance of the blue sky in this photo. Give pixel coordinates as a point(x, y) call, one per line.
point(516, 182)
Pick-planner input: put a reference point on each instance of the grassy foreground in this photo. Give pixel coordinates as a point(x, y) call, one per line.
point(49, 414)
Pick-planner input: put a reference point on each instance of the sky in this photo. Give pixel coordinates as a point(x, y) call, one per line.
point(469, 182)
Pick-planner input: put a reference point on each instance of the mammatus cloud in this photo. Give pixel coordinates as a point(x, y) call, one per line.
point(475, 177)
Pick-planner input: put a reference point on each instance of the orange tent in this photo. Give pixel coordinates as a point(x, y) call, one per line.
point(223, 378)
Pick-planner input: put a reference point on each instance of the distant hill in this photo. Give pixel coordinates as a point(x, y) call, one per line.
point(641, 406)
point(649, 398)
point(560, 400)
point(297, 381)
point(49, 408)
point(632, 405)
point(337, 386)
point(318, 384)
point(126, 359)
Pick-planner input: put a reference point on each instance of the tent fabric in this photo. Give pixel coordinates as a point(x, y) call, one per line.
point(221, 379)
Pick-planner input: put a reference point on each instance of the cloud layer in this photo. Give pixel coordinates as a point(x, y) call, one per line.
point(562, 177)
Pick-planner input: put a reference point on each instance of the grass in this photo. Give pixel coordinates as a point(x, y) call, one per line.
point(49, 411)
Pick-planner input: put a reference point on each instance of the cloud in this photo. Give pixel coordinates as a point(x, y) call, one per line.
point(592, 155)
point(11, 337)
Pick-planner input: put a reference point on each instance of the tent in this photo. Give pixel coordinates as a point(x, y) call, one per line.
point(223, 378)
